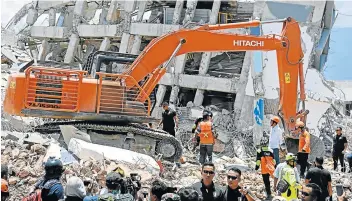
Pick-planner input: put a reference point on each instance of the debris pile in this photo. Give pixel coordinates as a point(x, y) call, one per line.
point(26, 161)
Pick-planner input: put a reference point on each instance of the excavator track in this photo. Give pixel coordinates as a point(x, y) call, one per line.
point(167, 145)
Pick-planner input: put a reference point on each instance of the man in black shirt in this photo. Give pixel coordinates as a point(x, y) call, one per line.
point(339, 149)
point(169, 119)
point(233, 191)
point(207, 190)
point(321, 177)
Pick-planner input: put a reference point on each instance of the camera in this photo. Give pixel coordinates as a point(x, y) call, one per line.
point(131, 184)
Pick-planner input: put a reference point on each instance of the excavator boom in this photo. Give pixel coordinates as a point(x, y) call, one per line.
point(208, 39)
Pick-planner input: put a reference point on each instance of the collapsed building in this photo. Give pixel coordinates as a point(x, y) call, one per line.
point(242, 88)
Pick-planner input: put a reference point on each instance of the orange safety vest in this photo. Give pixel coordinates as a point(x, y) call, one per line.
point(304, 142)
point(4, 186)
point(206, 135)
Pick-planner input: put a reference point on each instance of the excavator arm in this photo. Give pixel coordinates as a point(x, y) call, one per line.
point(208, 39)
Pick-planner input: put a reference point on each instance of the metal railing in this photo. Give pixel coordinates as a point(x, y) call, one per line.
point(53, 89)
point(115, 97)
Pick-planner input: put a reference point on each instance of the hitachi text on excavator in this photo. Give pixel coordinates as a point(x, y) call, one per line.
point(115, 105)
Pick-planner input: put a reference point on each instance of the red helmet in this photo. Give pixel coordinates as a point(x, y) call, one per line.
point(275, 119)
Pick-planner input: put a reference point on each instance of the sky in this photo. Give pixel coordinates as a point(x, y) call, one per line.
point(338, 66)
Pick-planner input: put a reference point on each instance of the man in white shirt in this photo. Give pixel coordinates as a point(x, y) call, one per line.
point(275, 139)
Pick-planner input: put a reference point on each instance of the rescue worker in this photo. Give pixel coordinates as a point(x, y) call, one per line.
point(4, 182)
point(265, 160)
point(287, 175)
point(169, 119)
point(339, 149)
point(50, 185)
point(195, 125)
point(303, 147)
point(275, 140)
point(207, 135)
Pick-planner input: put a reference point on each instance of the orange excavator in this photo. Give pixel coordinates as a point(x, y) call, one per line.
point(117, 104)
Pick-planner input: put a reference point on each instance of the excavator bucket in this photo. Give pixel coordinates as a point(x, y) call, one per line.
point(292, 145)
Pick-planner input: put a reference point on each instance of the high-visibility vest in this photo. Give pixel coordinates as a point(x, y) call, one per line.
point(304, 142)
point(206, 135)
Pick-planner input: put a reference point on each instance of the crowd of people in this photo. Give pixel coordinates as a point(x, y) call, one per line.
point(290, 183)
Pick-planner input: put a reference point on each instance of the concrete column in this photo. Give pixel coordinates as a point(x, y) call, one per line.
point(177, 12)
point(204, 64)
point(191, 9)
point(124, 42)
point(80, 7)
point(138, 39)
point(52, 17)
point(112, 13)
point(72, 46)
point(241, 87)
point(105, 45)
point(103, 16)
point(44, 49)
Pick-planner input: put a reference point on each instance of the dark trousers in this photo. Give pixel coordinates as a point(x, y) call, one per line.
point(336, 157)
point(206, 150)
point(302, 160)
point(171, 131)
point(350, 164)
point(267, 183)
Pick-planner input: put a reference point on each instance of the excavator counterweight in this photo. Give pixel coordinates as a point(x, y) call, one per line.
point(116, 103)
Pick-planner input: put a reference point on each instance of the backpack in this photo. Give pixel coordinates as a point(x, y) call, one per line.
point(282, 185)
point(37, 194)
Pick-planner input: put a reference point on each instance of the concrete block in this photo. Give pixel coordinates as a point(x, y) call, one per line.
point(44, 49)
point(113, 13)
point(86, 151)
point(49, 32)
point(45, 5)
point(155, 30)
point(98, 30)
point(69, 132)
point(124, 43)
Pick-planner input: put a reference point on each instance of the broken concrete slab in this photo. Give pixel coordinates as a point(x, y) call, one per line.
point(85, 151)
point(69, 132)
point(36, 138)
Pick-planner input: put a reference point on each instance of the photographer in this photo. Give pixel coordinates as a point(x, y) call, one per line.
point(114, 183)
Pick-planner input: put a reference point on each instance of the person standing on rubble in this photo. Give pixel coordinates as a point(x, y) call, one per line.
point(195, 125)
point(207, 136)
point(169, 119)
point(233, 190)
point(303, 147)
point(275, 140)
point(288, 178)
point(113, 182)
point(4, 182)
point(339, 149)
point(265, 160)
point(207, 190)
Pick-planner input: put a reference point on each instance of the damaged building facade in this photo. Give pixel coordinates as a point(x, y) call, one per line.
point(243, 86)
